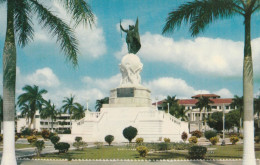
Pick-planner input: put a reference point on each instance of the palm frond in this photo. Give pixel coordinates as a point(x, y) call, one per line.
point(65, 35)
point(198, 14)
point(80, 10)
point(22, 22)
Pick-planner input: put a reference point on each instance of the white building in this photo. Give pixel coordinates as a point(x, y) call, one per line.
point(194, 114)
point(61, 123)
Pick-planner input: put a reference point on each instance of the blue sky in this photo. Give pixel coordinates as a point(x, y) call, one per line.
point(175, 64)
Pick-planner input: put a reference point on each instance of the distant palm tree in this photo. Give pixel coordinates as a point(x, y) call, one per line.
point(198, 14)
point(26, 111)
point(68, 106)
point(204, 103)
point(49, 111)
point(19, 30)
point(1, 112)
point(237, 103)
point(99, 103)
point(172, 101)
point(32, 98)
point(257, 109)
point(181, 113)
point(79, 111)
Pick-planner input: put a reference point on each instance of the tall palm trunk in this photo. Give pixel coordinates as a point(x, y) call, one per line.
point(249, 152)
point(9, 76)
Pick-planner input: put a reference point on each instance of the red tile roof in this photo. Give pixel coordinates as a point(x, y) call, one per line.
point(194, 101)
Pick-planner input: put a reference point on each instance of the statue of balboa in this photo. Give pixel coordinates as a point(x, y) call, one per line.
point(131, 65)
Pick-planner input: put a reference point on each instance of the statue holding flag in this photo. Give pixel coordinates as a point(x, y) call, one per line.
point(132, 38)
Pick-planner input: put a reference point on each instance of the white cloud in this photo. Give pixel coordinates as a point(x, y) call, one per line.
point(217, 57)
point(224, 93)
point(164, 86)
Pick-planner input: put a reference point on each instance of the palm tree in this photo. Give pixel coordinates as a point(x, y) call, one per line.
point(181, 112)
point(26, 111)
point(204, 103)
point(257, 110)
point(237, 103)
point(99, 103)
point(172, 101)
point(33, 97)
point(1, 112)
point(198, 14)
point(78, 111)
point(68, 106)
point(49, 111)
point(19, 30)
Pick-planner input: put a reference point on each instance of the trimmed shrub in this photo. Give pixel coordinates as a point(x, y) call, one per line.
point(142, 150)
point(39, 144)
point(197, 152)
point(46, 134)
point(163, 146)
point(184, 136)
point(1, 138)
point(193, 140)
point(214, 140)
point(26, 131)
point(52, 134)
point(181, 146)
point(139, 141)
point(99, 145)
point(55, 139)
point(78, 139)
point(210, 134)
point(234, 139)
point(16, 137)
point(167, 140)
point(109, 139)
point(130, 133)
point(80, 145)
point(62, 147)
point(32, 139)
point(196, 133)
point(257, 139)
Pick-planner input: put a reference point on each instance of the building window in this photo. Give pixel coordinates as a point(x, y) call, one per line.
point(193, 107)
point(214, 107)
point(227, 107)
point(37, 116)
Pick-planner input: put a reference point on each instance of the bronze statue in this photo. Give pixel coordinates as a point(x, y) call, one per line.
point(132, 38)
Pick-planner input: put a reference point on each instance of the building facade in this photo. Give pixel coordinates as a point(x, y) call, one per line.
point(195, 116)
point(61, 124)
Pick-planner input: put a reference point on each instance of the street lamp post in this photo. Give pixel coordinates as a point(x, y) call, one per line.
point(223, 141)
point(168, 107)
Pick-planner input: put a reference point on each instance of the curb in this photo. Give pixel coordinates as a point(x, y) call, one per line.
point(136, 160)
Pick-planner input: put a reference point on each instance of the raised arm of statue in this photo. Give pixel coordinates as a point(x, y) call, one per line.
point(121, 27)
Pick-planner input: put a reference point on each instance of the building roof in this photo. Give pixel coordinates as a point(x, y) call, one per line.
point(194, 101)
point(206, 95)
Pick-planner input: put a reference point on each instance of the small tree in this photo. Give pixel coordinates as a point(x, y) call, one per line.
point(32, 139)
point(39, 146)
point(184, 136)
point(210, 134)
point(55, 139)
point(46, 134)
point(193, 140)
point(130, 133)
point(142, 150)
point(139, 141)
point(78, 139)
point(109, 139)
point(62, 147)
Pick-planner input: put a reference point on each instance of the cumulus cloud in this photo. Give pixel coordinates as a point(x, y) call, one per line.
point(217, 57)
point(224, 93)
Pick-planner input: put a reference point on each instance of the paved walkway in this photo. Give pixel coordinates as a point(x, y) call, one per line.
point(33, 162)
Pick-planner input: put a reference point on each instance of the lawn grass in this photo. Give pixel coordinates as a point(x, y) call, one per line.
point(20, 146)
point(113, 152)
